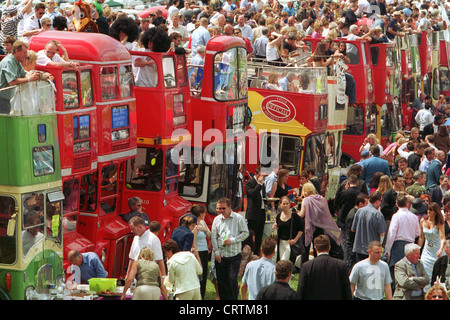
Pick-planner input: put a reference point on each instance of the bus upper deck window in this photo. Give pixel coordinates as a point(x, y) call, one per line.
point(43, 161)
point(33, 220)
point(108, 80)
point(71, 189)
point(147, 76)
point(181, 70)
point(169, 72)
point(126, 81)
point(86, 88)
point(70, 90)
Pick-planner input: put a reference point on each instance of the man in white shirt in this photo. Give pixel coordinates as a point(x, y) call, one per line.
point(32, 24)
point(430, 155)
point(424, 117)
point(144, 238)
point(175, 26)
point(404, 228)
point(247, 31)
point(49, 56)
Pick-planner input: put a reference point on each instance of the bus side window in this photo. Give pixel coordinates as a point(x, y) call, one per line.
point(8, 248)
point(33, 220)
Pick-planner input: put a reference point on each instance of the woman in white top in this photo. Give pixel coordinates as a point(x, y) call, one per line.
point(272, 49)
point(146, 69)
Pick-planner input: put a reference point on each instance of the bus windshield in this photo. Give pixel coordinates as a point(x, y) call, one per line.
point(230, 74)
point(146, 171)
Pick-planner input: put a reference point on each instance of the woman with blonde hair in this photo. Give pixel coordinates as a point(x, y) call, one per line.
point(436, 292)
point(385, 184)
point(272, 82)
point(146, 271)
point(369, 141)
point(318, 220)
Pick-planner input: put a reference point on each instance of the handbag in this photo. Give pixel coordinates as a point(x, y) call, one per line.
point(297, 249)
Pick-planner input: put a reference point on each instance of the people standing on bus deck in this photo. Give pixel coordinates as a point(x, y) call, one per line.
point(89, 265)
point(49, 56)
point(200, 36)
point(12, 73)
point(199, 58)
point(228, 231)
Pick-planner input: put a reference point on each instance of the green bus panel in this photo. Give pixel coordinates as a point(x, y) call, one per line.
point(21, 279)
point(29, 150)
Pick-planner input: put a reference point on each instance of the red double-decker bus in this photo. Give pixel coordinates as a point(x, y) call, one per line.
point(387, 76)
point(163, 111)
point(213, 165)
point(98, 125)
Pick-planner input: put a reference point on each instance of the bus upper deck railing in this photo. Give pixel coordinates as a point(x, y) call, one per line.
point(28, 99)
point(307, 80)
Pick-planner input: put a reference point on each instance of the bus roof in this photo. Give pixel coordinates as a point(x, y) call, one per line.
point(84, 46)
point(222, 43)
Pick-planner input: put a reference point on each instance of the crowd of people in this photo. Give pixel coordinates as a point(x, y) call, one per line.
point(391, 213)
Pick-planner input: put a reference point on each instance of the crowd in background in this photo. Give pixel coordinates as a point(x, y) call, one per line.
point(392, 214)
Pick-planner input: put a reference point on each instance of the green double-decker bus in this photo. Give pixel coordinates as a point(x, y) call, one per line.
point(31, 250)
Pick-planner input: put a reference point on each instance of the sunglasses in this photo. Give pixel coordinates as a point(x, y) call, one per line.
point(437, 296)
point(221, 208)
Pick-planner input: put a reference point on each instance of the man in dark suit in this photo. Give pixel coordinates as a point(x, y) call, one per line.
point(255, 213)
point(345, 201)
point(324, 277)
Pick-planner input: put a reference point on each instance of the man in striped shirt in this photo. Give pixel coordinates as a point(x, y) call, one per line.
point(228, 231)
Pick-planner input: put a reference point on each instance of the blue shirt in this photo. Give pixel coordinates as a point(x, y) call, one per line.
point(200, 36)
point(257, 275)
point(91, 267)
point(283, 82)
point(372, 165)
